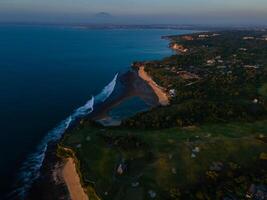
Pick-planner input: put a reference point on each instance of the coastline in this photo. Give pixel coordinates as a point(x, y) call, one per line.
point(60, 174)
point(135, 83)
point(70, 170)
point(50, 184)
point(161, 94)
point(130, 85)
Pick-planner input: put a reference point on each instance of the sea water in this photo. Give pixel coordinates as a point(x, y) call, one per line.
point(51, 75)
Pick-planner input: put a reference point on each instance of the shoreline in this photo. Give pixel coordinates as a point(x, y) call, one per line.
point(70, 170)
point(138, 84)
point(130, 84)
point(133, 83)
point(161, 94)
point(133, 86)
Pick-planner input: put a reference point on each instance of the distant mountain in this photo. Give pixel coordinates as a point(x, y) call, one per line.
point(103, 15)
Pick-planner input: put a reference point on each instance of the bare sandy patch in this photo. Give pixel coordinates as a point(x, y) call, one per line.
point(159, 91)
point(72, 181)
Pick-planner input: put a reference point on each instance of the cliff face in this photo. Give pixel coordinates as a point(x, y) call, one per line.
point(50, 184)
point(179, 48)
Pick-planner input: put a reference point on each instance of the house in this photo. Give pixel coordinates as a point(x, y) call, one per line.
point(211, 62)
point(251, 66)
point(172, 92)
point(179, 48)
point(255, 101)
point(248, 38)
point(166, 68)
point(173, 69)
point(187, 75)
point(242, 49)
point(203, 36)
point(188, 38)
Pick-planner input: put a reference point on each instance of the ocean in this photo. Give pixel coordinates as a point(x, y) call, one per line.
point(51, 75)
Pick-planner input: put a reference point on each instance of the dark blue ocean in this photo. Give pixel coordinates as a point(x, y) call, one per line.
point(48, 72)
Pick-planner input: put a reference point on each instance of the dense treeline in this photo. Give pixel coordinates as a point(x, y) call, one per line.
point(228, 89)
point(196, 112)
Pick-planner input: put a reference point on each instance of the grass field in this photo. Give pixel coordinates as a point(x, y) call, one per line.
point(206, 162)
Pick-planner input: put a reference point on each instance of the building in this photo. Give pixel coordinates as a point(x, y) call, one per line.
point(242, 49)
point(179, 48)
point(188, 38)
point(251, 66)
point(211, 62)
point(187, 75)
point(248, 38)
point(203, 36)
point(255, 101)
point(172, 92)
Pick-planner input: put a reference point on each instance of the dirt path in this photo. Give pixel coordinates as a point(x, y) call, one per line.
point(72, 181)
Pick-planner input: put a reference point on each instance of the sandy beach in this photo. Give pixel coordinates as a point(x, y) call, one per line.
point(161, 94)
point(135, 84)
point(72, 181)
point(131, 85)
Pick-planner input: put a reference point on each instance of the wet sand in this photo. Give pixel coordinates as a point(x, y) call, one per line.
point(130, 85)
point(162, 96)
point(59, 178)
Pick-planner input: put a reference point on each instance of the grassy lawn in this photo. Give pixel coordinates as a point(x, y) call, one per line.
point(165, 161)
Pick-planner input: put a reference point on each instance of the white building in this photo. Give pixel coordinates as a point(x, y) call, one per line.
point(203, 36)
point(172, 92)
point(248, 38)
point(210, 62)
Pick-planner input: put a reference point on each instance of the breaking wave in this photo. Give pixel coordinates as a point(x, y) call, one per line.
point(30, 169)
point(107, 90)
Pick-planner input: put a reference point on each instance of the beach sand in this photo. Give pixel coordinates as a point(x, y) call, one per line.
point(163, 98)
point(131, 85)
point(59, 179)
point(134, 83)
point(72, 181)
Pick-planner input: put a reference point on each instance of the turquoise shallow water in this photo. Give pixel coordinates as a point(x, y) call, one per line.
point(47, 72)
point(128, 108)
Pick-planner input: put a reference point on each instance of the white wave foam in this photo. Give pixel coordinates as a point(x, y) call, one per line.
point(106, 92)
point(86, 109)
point(30, 169)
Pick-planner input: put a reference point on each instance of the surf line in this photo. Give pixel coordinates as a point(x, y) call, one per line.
point(30, 169)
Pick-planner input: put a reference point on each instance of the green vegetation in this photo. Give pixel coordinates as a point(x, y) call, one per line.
point(170, 161)
point(209, 143)
point(222, 77)
point(263, 90)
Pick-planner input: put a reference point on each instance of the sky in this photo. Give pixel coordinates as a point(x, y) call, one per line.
point(136, 11)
